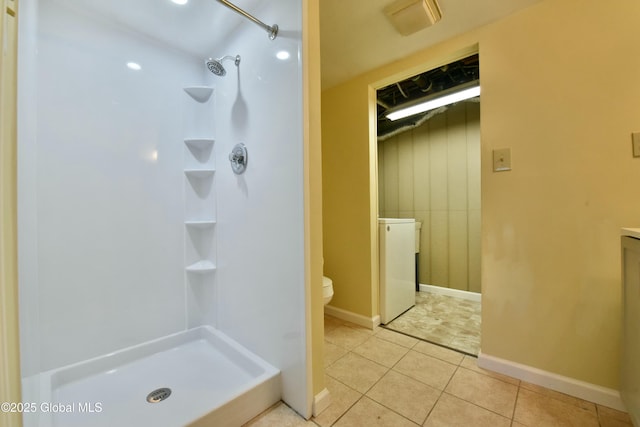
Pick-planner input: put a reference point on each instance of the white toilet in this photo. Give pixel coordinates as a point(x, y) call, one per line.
point(327, 289)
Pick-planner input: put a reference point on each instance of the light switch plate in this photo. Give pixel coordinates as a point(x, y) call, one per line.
point(635, 139)
point(502, 160)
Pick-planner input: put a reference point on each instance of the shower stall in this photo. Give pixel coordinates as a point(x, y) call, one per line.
point(160, 283)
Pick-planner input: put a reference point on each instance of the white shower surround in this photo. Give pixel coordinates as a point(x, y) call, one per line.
point(214, 382)
point(261, 292)
point(101, 188)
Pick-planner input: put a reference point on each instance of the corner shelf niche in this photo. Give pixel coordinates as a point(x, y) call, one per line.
point(200, 203)
point(199, 143)
point(201, 267)
point(200, 224)
point(199, 173)
point(199, 93)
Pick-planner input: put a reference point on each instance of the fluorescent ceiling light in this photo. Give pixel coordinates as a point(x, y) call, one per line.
point(432, 103)
point(180, 2)
point(134, 66)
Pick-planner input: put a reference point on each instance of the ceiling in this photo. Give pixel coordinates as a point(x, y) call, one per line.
point(356, 36)
point(209, 23)
point(420, 87)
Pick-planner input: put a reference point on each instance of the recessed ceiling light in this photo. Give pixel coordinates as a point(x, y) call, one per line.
point(134, 66)
point(180, 2)
point(283, 55)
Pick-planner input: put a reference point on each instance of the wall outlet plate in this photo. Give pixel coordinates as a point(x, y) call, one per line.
point(635, 140)
point(502, 159)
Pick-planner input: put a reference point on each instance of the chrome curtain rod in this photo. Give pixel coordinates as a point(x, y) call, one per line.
point(272, 30)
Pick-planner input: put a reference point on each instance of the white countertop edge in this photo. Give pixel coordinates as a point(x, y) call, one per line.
point(631, 232)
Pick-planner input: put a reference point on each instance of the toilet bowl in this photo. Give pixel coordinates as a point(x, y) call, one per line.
point(327, 289)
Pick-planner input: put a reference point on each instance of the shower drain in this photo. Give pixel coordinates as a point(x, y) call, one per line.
point(158, 395)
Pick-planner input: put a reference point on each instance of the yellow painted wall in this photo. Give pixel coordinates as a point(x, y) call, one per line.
point(432, 173)
point(560, 87)
point(9, 357)
point(347, 201)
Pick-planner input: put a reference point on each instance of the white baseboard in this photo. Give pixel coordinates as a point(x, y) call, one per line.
point(580, 389)
point(321, 401)
point(358, 319)
point(456, 293)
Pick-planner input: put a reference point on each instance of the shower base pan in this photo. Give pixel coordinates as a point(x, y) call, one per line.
point(199, 377)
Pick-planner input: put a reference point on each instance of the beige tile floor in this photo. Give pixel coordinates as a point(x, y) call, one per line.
point(382, 378)
point(452, 322)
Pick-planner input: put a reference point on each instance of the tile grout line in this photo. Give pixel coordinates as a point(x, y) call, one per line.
point(400, 373)
point(515, 405)
point(442, 392)
point(388, 369)
point(457, 365)
point(351, 388)
point(598, 415)
point(412, 348)
point(357, 391)
point(563, 402)
point(475, 404)
point(348, 409)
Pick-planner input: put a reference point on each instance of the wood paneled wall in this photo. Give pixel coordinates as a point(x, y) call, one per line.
point(432, 174)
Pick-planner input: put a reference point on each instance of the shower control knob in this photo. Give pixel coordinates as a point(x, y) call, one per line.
point(238, 158)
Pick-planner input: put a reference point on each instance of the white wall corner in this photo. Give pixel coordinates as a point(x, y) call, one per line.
point(358, 319)
point(321, 401)
point(593, 393)
point(376, 320)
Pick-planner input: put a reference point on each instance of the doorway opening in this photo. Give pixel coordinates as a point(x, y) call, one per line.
point(429, 169)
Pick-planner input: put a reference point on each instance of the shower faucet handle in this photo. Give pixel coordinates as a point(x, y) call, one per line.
point(238, 158)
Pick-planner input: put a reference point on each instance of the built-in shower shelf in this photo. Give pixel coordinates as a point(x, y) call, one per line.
point(204, 266)
point(200, 224)
point(199, 93)
point(199, 143)
point(200, 204)
point(199, 173)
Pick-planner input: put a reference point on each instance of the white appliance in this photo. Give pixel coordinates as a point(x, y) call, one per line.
point(630, 367)
point(397, 266)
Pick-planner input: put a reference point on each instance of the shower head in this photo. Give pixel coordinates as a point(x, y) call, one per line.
point(215, 65)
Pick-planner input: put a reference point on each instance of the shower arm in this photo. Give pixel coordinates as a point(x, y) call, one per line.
point(272, 30)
